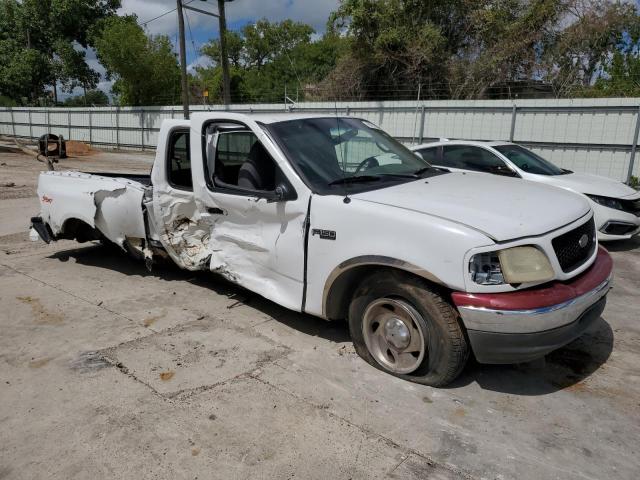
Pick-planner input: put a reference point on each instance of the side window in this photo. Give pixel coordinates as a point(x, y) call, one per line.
point(242, 161)
point(179, 161)
point(430, 155)
point(473, 158)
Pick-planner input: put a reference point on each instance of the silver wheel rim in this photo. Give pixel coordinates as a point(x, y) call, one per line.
point(393, 335)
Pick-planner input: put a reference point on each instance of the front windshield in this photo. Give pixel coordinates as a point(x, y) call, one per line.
point(331, 152)
point(528, 161)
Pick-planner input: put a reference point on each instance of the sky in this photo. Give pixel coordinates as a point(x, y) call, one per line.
point(204, 27)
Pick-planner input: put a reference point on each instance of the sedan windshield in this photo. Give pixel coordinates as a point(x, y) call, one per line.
point(528, 161)
point(335, 153)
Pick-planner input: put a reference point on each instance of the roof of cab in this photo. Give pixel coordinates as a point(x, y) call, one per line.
point(265, 117)
point(479, 143)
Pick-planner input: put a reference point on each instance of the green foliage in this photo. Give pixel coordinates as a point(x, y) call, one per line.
point(265, 57)
point(42, 42)
point(144, 68)
point(464, 48)
point(602, 38)
point(7, 102)
point(92, 98)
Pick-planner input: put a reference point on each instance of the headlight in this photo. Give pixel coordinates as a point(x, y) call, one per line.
point(511, 265)
point(485, 269)
point(606, 201)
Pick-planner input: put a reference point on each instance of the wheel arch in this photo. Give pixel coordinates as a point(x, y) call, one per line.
point(344, 279)
point(74, 228)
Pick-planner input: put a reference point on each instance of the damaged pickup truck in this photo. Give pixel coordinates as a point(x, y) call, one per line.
point(331, 216)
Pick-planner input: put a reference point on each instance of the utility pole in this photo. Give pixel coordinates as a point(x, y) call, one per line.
point(226, 82)
point(183, 62)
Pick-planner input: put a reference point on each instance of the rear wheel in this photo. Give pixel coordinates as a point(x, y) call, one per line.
point(401, 325)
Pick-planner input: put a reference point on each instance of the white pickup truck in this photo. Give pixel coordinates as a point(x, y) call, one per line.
point(331, 216)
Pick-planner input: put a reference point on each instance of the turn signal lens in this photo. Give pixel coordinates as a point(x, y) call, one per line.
point(525, 264)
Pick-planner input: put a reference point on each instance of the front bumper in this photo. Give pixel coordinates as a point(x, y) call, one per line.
point(614, 224)
point(521, 326)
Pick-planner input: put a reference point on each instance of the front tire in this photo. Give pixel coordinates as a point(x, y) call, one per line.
point(401, 325)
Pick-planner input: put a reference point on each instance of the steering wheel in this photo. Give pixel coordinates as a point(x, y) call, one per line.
point(367, 163)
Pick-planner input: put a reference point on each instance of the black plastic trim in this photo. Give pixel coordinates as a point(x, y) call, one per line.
point(500, 348)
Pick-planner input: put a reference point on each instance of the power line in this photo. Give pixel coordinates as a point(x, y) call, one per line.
point(163, 14)
point(193, 43)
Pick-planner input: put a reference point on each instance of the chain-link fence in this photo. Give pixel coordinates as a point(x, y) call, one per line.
point(596, 136)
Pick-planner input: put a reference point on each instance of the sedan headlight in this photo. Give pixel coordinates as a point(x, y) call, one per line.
point(606, 201)
point(512, 265)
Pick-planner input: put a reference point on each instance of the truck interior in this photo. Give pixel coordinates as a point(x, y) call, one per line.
point(237, 159)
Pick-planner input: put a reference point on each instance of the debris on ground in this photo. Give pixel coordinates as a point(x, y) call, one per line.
point(75, 149)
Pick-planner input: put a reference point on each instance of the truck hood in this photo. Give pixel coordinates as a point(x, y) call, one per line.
point(501, 208)
point(585, 183)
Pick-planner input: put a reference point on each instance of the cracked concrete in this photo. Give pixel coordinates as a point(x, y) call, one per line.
point(108, 370)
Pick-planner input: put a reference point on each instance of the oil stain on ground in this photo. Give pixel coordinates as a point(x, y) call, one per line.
point(40, 362)
point(41, 315)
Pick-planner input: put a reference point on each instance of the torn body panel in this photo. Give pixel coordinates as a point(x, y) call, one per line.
point(181, 230)
point(112, 206)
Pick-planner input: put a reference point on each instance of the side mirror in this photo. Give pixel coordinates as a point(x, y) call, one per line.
point(282, 193)
point(503, 170)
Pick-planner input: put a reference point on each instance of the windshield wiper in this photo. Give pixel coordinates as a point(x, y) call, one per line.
point(417, 174)
point(422, 170)
point(356, 179)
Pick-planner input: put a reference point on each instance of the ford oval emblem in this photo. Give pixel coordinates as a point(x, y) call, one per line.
point(584, 240)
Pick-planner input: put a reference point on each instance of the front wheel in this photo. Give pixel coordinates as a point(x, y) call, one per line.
point(402, 326)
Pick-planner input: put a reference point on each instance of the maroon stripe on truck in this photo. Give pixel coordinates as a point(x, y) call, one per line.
point(547, 296)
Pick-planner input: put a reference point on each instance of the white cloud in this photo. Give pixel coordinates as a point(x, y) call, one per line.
point(201, 61)
point(313, 12)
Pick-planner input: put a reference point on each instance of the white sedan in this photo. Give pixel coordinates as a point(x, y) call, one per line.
point(616, 205)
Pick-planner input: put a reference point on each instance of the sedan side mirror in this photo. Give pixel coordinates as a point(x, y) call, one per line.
point(503, 170)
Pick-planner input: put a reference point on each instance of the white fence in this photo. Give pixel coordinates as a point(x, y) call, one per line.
point(596, 136)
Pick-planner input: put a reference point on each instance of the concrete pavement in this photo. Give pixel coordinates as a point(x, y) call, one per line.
point(110, 371)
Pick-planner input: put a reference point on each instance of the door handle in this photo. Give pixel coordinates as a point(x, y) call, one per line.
point(215, 211)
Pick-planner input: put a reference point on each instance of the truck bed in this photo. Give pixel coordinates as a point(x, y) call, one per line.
point(144, 179)
point(108, 205)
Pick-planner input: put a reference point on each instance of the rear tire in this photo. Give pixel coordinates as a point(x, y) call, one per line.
point(401, 325)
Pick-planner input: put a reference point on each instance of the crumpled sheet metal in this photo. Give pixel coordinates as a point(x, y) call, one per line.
point(111, 205)
point(183, 232)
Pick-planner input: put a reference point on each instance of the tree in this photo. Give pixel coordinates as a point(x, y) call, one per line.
point(466, 48)
point(398, 43)
point(600, 33)
point(144, 67)
point(91, 98)
point(266, 56)
point(71, 69)
point(43, 42)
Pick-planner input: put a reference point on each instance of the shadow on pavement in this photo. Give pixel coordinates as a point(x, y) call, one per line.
point(111, 258)
point(561, 369)
point(623, 245)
